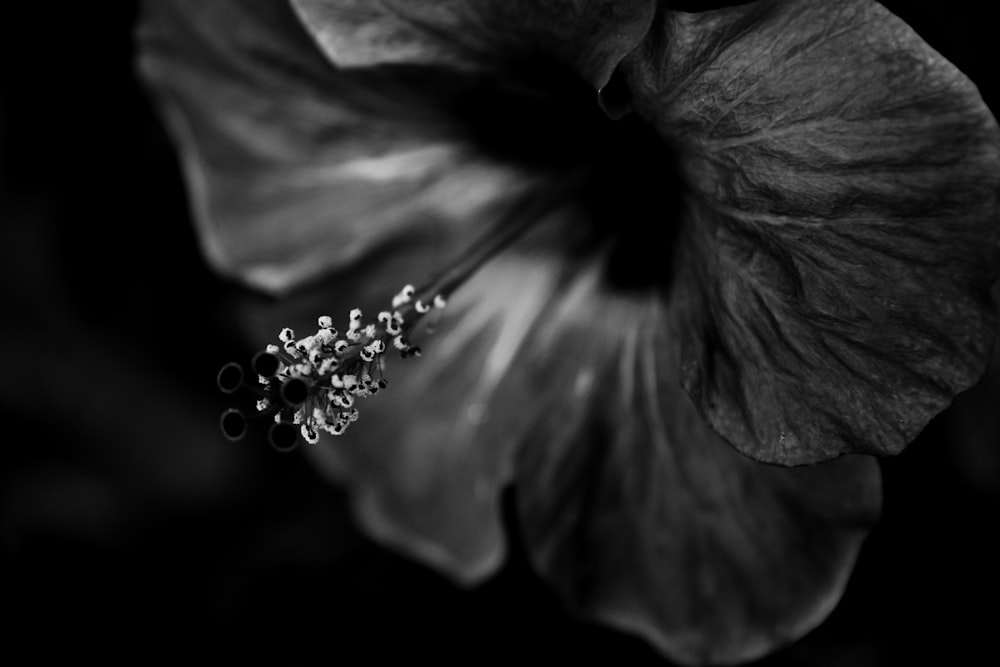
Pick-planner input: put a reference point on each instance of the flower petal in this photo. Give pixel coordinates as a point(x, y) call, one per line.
point(294, 167)
point(590, 36)
point(842, 228)
point(427, 459)
point(646, 519)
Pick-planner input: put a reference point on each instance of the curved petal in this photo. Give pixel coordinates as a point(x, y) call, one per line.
point(294, 167)
point(590, 36)
point(842, 228)
point(427, 459)
point(646, 519)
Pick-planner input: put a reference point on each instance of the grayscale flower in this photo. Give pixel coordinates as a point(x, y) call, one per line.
point(708, 249)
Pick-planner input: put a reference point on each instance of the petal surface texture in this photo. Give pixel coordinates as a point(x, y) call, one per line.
point(588, 36)
point(828, 289)
point(644, 518)
point(842, 226)
point(294, 167)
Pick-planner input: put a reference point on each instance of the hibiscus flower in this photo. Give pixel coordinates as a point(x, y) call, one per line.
point(707, 249)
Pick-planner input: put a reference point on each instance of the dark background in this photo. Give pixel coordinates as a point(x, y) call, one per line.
point(124, 516)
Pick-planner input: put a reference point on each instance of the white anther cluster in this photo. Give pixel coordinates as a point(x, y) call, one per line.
point(337, 370)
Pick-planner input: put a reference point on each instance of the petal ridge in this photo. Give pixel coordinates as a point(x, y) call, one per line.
point(842, 228)
point(644, 519)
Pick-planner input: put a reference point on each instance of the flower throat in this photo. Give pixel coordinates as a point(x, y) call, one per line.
point(311, 384)
point(629, 195)
point(615, 173)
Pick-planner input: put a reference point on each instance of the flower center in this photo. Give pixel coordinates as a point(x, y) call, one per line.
point(629, 195)
point(312, 383)
point(616, 176)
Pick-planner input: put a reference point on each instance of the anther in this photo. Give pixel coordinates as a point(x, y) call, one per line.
point(403, 297)
point(309, 435)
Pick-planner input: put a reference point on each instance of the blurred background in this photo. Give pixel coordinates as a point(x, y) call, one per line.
point(124, 515)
